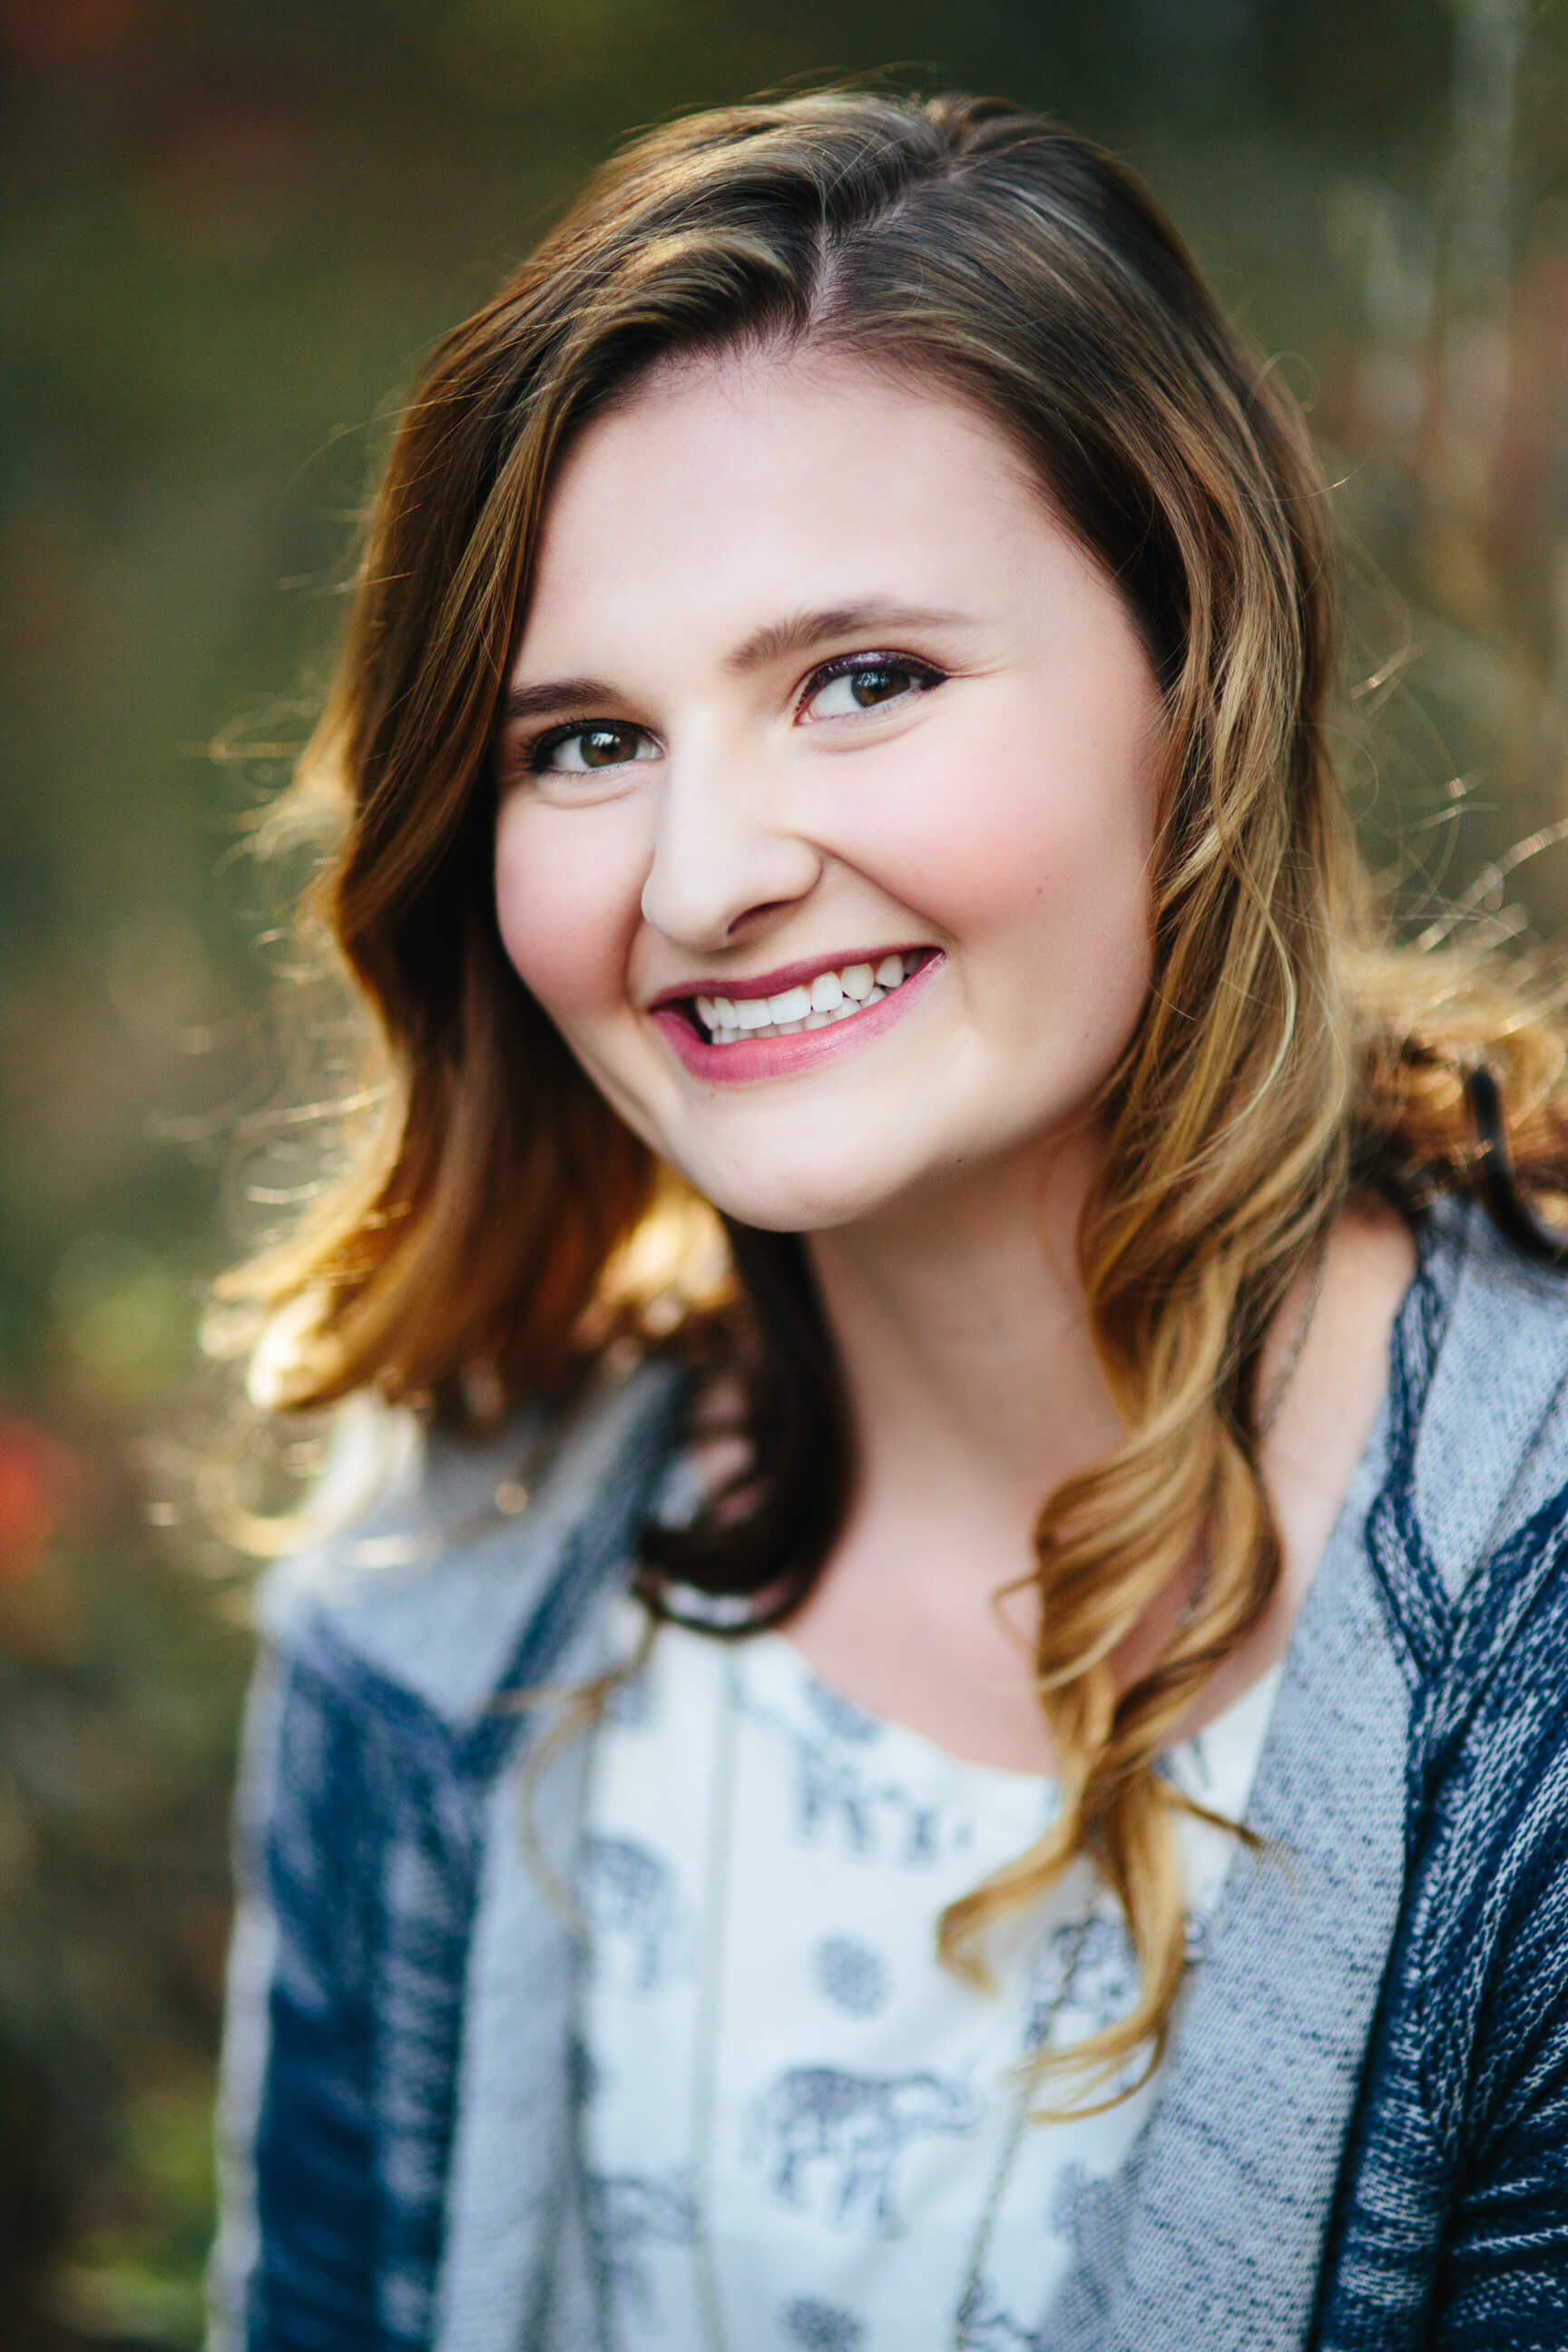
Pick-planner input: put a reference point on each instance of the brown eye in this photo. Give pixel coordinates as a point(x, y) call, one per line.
point(869, 685)
point(877, 684)
point(579, 751)
point(606, 746)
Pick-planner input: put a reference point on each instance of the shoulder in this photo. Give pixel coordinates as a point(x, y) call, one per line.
point(1465, 2093)
point(1482, 1523)
point(1479, 1395)
point(430, 1558)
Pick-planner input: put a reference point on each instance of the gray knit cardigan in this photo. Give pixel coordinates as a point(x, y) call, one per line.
point(1362, 2135)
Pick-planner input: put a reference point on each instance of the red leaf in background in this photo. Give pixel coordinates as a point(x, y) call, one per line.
point(35, 1473)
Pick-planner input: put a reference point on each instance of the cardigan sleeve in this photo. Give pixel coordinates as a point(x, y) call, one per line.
point(378, 1726)
point(294, 2263)
point(1502, 2278)
point(308, 2253)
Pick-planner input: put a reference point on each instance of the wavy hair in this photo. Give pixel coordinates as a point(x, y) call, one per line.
point(1287, 1049)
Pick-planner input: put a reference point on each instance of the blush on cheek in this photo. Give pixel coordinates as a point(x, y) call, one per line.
point(561, 921)
point(1023, 855)
point(1050, 802)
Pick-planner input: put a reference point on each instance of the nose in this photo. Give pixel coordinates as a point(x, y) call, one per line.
point(723, 859)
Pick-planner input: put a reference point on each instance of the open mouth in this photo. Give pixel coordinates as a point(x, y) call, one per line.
point(830, 996)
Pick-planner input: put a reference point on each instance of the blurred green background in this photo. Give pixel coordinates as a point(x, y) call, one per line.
point(229, 228)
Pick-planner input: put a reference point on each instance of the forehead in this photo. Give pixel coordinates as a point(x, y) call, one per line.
point(724, 485)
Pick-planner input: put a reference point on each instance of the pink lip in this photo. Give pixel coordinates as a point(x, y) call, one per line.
point(751, 1058)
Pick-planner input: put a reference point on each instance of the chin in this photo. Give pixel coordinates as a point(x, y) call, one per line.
point(780, 1204)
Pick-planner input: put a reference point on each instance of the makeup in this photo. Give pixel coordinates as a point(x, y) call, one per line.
point(815, 1013)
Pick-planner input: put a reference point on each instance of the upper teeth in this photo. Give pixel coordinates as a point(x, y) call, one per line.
point(830, 996)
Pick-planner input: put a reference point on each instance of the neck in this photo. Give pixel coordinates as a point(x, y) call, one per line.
point(973, 1387)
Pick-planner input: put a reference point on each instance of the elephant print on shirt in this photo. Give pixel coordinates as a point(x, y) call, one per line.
point(627, 2212)
point(1103, 1977)
point(837, 1788)
point(628, 1894)
point(843, 2136)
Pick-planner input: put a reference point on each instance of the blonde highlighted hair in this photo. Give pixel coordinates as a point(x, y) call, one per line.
point(1286, 1051)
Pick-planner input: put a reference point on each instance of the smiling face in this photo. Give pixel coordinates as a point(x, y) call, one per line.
point(827, 791)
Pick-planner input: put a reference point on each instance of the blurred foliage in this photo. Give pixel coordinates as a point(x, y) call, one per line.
point(227, 229)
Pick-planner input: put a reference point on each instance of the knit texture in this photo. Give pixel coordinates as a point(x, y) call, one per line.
point(1362, 2136)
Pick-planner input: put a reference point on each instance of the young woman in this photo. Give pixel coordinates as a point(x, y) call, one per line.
point(974, 1756)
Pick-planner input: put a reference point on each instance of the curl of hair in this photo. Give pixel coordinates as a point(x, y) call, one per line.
point(1287, 1049)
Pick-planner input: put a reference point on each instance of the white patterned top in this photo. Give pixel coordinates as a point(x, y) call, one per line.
point(795, 2116)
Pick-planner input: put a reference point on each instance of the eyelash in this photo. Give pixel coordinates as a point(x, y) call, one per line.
point(533, 755)
point(926, 674)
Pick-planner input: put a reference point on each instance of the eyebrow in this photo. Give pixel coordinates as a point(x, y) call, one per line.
point(556, 694)
point(796, 633)
point(801, 631)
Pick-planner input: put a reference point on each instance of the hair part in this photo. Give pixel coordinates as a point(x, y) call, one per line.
point(1285, 1049)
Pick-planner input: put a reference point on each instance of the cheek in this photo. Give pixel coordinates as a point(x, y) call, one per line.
point(1047, 829)
point(568, 887)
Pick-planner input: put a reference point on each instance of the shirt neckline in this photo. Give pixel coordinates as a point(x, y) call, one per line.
point(1244, 1719)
